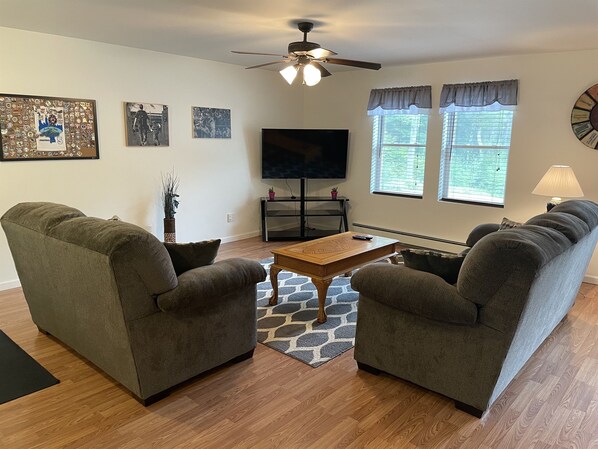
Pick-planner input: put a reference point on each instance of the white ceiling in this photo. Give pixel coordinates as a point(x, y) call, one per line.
point(390, 32)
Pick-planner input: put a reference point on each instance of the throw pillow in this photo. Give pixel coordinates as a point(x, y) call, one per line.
point(508, 224)
point(186, 256)
point(445, 265)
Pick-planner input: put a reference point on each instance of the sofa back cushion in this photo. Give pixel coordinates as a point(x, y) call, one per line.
point(126, 244)
point(137, 260)
point(40, 216)
point(570, 226)
point(583, 209)
point(522, 250)
point(517, 254)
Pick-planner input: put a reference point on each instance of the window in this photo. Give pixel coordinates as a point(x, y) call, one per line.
point(399, 154)
point(399, 139)
point(476, 139)
point(475, 152)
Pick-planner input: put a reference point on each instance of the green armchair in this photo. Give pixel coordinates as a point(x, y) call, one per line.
point(108, 290)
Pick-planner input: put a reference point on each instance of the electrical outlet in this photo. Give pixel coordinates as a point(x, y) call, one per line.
point(229, 217)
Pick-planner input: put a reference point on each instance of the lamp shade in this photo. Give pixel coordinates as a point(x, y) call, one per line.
point(559, 181)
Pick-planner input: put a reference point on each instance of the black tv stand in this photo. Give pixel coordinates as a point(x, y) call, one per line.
point(285, 209)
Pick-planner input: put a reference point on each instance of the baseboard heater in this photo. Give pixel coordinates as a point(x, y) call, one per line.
point(410, 234)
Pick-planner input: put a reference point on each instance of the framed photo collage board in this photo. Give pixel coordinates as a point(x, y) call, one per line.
point(54, 128)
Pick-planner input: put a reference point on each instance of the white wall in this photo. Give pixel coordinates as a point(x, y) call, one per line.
point(217, 175)
point(220, 176)
point(549, 85)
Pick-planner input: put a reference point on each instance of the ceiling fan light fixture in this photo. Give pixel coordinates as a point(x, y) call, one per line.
point(308, 58)
point(311, 75)
point(318, 53)
point(289, 73)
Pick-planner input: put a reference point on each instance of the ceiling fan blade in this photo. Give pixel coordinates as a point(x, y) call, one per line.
point(361, 64)
point(253, 53)
point(269, 63)
point(318, 53)
point(321, 68)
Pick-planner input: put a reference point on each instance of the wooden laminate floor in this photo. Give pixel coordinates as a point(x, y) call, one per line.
point(274, 401)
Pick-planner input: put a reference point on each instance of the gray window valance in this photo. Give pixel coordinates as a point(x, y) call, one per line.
point(486, 95)
point(400, 100)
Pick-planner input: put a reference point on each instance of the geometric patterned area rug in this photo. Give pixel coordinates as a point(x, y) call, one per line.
point(291, 326)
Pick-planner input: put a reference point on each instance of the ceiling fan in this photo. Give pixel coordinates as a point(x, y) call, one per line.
point(306, 57)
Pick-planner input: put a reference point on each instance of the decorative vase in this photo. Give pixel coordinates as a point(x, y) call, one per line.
point(333, 194)
point(169, 230)
point(271, 195)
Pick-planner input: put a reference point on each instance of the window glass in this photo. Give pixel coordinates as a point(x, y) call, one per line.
point(399, 154)
point(475, 154)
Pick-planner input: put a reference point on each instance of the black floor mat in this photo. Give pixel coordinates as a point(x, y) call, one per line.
point(20, 374)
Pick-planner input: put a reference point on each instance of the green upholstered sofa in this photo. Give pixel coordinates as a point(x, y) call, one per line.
point(469, 340)
point(108, 290)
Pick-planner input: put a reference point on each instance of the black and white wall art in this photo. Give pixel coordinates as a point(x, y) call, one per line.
point(211, 123)
point(146, 124)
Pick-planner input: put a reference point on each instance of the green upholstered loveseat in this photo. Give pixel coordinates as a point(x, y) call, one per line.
point(108, 290)
point(469, 340)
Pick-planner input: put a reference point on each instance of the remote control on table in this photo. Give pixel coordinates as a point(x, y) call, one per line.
point(362, 237)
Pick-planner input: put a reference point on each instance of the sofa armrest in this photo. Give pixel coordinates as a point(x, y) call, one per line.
point(416, 292)
point(481, 231)
point(201, 287)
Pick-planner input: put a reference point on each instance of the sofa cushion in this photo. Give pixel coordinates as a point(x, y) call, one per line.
point(583, 209)
point(491, 262)
point(186, 256)
point(445, 265)
point(125, 244)
point(40, 217)
point(570, 226)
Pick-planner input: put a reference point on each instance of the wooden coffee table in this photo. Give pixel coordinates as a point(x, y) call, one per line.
point(325, 258)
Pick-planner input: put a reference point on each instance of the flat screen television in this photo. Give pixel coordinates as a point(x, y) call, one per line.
point(304, 153)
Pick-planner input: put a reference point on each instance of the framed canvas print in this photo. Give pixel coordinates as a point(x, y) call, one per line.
point(34, 128)
point(211, 123)
point(146, 124)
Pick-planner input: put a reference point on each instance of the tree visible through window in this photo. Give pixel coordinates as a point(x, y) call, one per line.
point(399, 154)
point(475, 152)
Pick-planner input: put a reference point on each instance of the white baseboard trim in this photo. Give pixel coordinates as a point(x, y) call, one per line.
point(590, 279)
point(7, 285)
point(234, 238)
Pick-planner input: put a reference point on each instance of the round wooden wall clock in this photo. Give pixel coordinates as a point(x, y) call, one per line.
point(584, 117)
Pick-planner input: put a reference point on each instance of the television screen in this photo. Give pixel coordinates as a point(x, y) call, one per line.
point(304, 153)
